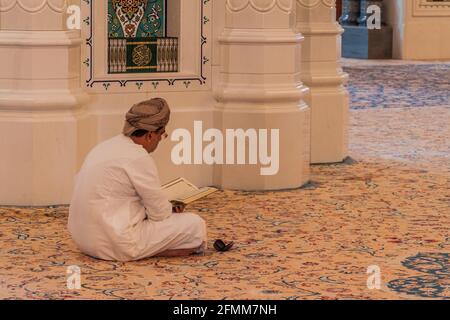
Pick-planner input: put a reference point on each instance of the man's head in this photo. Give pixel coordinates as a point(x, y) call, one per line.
point(146, 121)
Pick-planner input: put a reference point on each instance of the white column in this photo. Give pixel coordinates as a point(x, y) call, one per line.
point(260, 88)
point(322, 73)
point(43, 129)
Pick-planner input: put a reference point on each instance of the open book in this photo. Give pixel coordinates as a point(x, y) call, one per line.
point(182, 191)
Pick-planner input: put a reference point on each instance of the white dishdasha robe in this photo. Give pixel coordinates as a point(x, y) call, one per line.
point(118, 211)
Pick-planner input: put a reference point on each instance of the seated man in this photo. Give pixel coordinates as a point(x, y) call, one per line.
point(118, 211)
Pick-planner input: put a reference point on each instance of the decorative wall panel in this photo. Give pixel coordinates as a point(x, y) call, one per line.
point(136, 18)
point(431, 8)
point(119, 54)
point(136, 37)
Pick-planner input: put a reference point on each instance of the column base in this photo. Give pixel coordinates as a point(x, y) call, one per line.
point(293, 124)
point(329, 125)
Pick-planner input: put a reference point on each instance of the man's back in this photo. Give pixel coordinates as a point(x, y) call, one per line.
point(106, 207)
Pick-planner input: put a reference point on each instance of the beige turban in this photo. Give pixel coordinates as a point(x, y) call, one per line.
point(148, 115)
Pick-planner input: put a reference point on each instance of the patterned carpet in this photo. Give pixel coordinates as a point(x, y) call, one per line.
point(409, 85)
point(388, 207)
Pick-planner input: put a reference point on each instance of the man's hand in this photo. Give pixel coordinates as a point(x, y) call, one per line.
point(178, 207)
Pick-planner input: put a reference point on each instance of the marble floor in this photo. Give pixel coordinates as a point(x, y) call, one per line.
point(386, 209)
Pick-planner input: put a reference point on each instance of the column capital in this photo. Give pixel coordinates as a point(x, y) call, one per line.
point(260, 32)
point(33, 14)
point(316, 11)
point(316, 3)
point(260, 14)
point(260, 6)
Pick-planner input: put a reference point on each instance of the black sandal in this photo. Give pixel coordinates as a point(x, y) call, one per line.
point(220, 246)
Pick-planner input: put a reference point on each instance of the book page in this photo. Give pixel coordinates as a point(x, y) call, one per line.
point(179, 188)
point(184, 191)
point(199, 194)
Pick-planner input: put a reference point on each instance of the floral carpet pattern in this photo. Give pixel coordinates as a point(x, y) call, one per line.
point(435, 283)
point(386, 206)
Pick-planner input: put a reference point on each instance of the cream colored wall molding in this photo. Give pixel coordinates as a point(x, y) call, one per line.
point(427, 8)
point(319, 28)
point(42, 100)
point(40, 38)
point(61, 92)
point(58, 6)
point(260, 6)
point(315, 3)
point(259, 36)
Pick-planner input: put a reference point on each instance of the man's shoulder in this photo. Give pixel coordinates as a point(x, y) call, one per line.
point(141, 159)
point(118, 147)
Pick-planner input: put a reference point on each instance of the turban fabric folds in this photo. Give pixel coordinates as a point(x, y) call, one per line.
point(148, 115)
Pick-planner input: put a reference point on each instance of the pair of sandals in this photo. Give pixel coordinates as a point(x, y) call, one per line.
point(221, 246)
